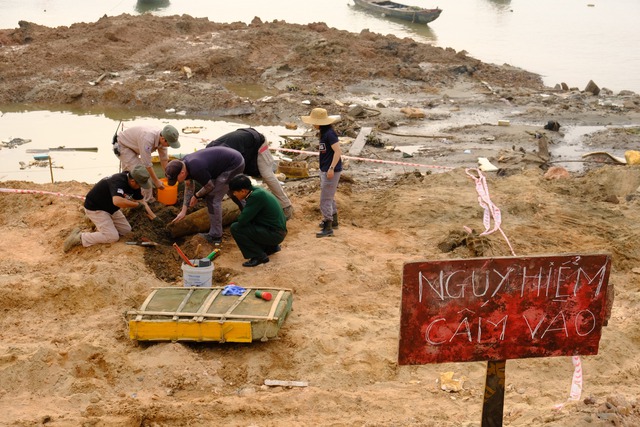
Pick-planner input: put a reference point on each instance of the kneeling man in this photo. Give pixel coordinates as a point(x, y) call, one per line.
point(261, 226)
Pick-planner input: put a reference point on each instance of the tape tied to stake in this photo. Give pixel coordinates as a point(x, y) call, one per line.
point(576, 383)
point(492, 211)
point(363, 159)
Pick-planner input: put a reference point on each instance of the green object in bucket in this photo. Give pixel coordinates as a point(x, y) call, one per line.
point(214, 254)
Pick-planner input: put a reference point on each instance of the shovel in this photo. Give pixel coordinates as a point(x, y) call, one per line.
point(142, 243)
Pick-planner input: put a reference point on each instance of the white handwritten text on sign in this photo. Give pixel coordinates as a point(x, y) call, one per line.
point(502, 308)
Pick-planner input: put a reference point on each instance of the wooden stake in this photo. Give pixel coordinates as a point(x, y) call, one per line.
point(493, 406)
point(50, 168)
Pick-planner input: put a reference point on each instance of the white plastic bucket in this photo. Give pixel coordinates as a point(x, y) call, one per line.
point(197, 277)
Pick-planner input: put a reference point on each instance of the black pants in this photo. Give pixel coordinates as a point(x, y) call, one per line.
point(253, 240)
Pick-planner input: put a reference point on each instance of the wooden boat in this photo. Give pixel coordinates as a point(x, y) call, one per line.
point(396, 10)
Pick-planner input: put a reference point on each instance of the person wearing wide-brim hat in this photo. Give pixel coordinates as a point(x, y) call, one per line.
point(330, 167)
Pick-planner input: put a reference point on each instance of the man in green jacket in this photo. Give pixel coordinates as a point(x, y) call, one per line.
point(261, 226)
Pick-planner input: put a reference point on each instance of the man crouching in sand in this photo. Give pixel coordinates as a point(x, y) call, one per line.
point(261, 226)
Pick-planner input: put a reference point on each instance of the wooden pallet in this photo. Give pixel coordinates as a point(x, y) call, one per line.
point(204, 314)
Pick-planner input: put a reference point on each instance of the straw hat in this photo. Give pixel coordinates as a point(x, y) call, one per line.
point(319, 117)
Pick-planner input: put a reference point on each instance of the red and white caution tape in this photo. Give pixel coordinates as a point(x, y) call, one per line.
point(576, 383)
point(363, 159)
point(490, 209)
point(21, 191)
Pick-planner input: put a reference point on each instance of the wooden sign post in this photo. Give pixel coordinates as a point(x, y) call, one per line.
point(50, 168)
point(48, 158)
point(495, 309)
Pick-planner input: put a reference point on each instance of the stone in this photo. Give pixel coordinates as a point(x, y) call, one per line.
point(556, 172)
point(592, 87)
point(413, 113)
point(448, 383)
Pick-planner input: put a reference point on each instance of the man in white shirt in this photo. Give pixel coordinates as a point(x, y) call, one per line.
point(136, 145)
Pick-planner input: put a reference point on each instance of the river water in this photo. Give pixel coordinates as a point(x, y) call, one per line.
point(567, 41)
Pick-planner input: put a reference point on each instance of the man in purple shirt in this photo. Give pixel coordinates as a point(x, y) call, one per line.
point(212, 168)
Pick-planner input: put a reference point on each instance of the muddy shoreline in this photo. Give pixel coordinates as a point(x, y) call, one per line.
point(65, 353)
point(271, 73)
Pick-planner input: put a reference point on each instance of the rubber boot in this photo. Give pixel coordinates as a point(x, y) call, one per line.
point(327, 230)
point(334, 223)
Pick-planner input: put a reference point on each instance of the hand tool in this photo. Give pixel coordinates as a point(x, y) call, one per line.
point(184, 257)
point(142, 243)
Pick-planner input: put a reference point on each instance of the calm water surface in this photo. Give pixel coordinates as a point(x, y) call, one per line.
point(51, 129)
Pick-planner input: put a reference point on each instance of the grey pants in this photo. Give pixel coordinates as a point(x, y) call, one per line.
point(328, 188)
point(214, 200)
point(265, 166)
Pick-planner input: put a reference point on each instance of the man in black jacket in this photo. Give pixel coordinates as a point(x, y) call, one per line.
point(258, 161)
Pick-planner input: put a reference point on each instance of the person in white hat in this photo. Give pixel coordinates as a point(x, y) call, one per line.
point(135, 145)
point(330, 167)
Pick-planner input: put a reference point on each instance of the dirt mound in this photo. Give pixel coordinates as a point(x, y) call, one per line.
point(66, 359)
point(65, 355)
point(155, 63)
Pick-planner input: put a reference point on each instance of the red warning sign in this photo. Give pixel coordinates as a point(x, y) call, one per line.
point(502, 308)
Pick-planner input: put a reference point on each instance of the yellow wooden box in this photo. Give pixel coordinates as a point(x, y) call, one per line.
point(204, 314)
